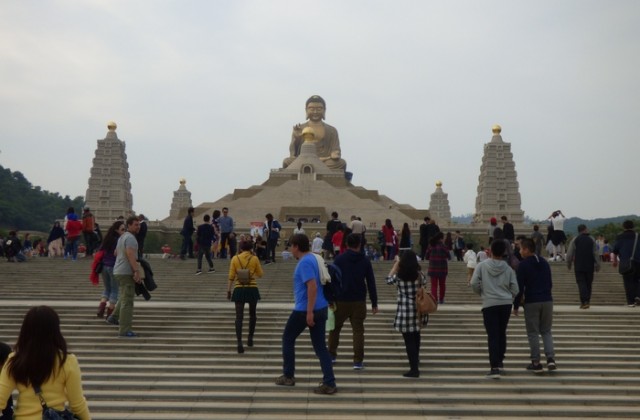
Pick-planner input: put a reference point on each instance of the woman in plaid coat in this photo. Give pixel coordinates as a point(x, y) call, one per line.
point(407, 276)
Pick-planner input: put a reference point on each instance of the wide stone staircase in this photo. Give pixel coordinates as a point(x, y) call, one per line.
point(185, 364)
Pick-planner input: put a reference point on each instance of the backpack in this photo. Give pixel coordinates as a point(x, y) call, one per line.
point(243, 274)
point(333, 288)
point(330, 278)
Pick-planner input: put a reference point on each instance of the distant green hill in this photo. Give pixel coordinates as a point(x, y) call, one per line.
point(25, 207)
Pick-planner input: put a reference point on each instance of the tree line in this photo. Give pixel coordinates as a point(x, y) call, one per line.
point(27, 207)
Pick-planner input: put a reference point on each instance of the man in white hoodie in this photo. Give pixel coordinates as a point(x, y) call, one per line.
point(495, 281)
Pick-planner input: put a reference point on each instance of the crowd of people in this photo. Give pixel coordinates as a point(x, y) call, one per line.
point(508, 275)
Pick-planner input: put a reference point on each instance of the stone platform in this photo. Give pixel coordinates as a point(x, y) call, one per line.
point(184, 365)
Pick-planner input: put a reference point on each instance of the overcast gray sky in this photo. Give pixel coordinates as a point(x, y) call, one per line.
point(209, 91)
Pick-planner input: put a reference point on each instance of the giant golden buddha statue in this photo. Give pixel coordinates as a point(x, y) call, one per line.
point(326, 136)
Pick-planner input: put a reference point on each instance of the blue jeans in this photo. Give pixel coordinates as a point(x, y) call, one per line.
point(110, 285)
point(295, 326)
point(71, 247)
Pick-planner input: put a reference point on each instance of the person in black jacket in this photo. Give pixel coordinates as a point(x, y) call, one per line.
point(507, 228)
point(624, 250)
point(204, 238)
point(534, 282)
point(357, 279)
point(142, 234)
point(187, 232)
point(583, 254)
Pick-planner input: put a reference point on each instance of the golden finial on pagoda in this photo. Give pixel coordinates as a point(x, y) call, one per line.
point(111, 125)
point(183, 181)
point(496, 129)
point(308, 135)
point(438, 184)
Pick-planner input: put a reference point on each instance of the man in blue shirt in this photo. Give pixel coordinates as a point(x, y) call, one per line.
point(310, 310)
point(226, 228)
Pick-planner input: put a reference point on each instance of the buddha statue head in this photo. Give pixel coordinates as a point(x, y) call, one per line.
point(315, 108)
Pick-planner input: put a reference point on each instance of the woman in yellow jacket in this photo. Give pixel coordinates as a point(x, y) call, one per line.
point(40, 359)
point(244, 290)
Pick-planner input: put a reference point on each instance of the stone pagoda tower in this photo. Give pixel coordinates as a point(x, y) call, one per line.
point(439, 206)
point(109, 192)
point(498, 189)
point(181, 201)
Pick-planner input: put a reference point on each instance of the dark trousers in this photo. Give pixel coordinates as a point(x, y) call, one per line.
point(296, 324)
point(204, 250)
point(90, 240)
point(496, 319)
point(412, 345)
point(224, 240)
point(585, 281)
point(271, 249)
point(631, 287)
point(187, 246)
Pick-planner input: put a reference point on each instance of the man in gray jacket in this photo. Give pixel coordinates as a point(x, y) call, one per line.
point(495, 281)
point(583, 254)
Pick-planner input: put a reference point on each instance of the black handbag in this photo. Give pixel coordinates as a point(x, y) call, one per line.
point(630, 266)
point(49, 413)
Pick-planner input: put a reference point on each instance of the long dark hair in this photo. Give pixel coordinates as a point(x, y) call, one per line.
point(406, 232)
point(112, 235)
point(408, 267)
point(40, 344)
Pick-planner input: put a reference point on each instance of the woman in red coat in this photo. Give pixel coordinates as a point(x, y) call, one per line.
point(74, 229)
point(390, 239)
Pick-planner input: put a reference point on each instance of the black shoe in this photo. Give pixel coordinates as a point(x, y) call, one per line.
point(250, 341)
point(551, 364)
point(411, 374)
point(240, 348)
point(494, 373)
point(535, 367)
point(112, 320)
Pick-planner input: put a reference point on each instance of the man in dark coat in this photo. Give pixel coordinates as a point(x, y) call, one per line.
point(623, 249)
point(507, 229)
point(583, 254)
point(187, 232)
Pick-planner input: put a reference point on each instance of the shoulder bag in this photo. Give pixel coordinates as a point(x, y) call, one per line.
point(49, 413)
point(425, 302)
